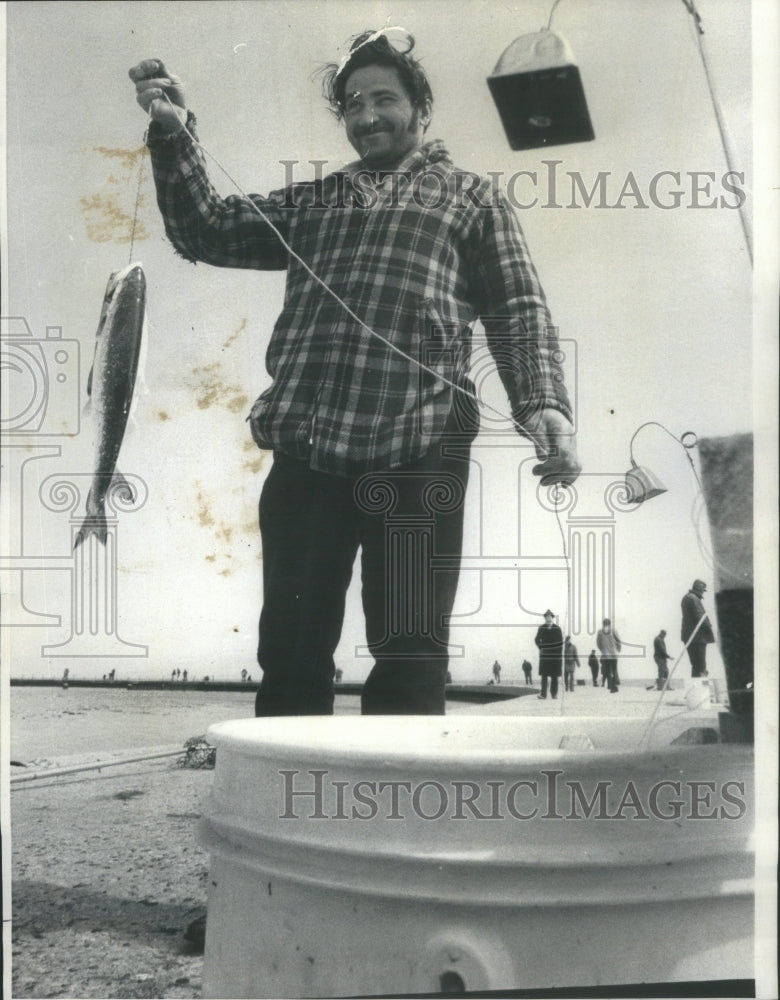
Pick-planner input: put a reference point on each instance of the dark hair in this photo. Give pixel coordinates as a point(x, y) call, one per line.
point(378, 52)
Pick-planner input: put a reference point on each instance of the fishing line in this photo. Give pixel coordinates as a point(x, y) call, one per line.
point(565, 631)
point(137, 201)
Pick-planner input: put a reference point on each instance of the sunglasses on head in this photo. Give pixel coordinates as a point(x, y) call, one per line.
point(396, 36)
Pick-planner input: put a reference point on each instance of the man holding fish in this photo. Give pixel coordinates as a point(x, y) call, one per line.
point(370, 414)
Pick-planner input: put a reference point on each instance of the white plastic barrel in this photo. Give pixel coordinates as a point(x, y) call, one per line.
point(379, 855)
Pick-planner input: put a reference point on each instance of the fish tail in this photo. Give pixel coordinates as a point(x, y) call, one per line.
point(93, 524)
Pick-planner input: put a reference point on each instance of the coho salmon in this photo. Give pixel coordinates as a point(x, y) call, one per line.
point(110, 387)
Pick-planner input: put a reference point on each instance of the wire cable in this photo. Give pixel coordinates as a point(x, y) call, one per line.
point(690, 6)
point(552, 11)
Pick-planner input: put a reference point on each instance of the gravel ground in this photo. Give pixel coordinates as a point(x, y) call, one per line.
point(106, 869)
point(107, 875)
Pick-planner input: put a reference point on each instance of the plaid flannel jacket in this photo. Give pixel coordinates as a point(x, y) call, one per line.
point(419, 255)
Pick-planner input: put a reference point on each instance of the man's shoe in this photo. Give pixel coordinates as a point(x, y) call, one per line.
point(541, 697)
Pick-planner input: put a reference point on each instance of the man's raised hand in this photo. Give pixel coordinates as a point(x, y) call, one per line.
point(153, 83)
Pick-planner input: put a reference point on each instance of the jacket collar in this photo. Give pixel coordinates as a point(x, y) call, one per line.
point(415, 161)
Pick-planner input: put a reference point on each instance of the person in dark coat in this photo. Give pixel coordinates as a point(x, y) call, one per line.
point(661, 656)
point(692, 611)
point(528, 671)
point(593, 663)
point(549, 640)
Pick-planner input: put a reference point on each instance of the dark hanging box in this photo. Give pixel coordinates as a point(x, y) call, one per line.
point(537, 89)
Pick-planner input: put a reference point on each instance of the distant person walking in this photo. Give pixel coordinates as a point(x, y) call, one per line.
point(528, 672)
point(609, 645)
point(661, 657)
point(692, 613)
point(593, 663)
point(571, 661)
point(497, 672)
point(549, 641)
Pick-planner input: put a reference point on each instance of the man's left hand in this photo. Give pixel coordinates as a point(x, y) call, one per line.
point(556, 448)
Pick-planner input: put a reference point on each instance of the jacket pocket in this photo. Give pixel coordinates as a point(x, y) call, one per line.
point(444, 351)
point(257, 419)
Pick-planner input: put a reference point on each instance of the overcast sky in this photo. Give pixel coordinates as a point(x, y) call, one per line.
point(654, 303)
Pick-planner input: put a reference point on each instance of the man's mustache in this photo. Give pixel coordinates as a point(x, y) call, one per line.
point(364, 130)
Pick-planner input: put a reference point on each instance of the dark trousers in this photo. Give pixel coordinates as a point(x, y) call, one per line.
point(697, 654)
point(595, 673)
point(568, 680)
point(553, 686)
point(609, 664)
point(663, 674)
point(408, 524)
